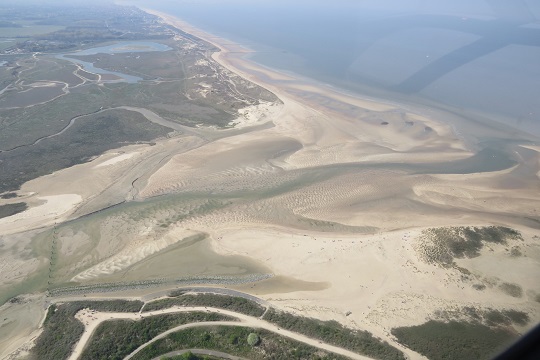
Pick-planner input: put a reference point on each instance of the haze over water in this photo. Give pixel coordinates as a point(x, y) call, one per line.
point(480, 55)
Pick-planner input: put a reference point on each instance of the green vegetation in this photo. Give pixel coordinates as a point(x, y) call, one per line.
point(253, 339)
point(189, 356)
point(455, 340)
point(334, 333)
point(513, 290)
point(88, 137)
point(116, 339)
point(55, 28)
point(488, 317)
point(9, 195)
point(12, 209)
point(61, 330)
point(32, 139)
point(232, 303)
point(442, 245)
point(233, 340)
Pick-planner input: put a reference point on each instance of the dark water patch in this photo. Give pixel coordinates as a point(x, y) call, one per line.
point(117, 48)
point(448, 63)
point(191, 257)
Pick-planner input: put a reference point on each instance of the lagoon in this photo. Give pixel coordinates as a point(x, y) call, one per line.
point(116, 48)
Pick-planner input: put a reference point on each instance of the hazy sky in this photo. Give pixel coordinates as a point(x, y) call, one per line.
point(472, 7)
point(493, 8)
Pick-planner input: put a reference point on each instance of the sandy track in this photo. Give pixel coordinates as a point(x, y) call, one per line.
point(92, 320)
point(217, 354)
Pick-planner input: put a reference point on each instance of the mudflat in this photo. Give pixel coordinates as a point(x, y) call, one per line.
point(334, 202)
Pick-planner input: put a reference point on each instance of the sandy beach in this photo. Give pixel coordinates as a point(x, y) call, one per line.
point(322, 188)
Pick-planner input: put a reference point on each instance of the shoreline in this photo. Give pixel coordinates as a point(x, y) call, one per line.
point(327, 99)
point(371, 281)
point(232, 56)
point(237, 58)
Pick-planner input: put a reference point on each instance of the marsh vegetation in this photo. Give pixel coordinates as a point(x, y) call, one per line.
point(233, 303)
point(442, 245)
point(234, 340)
point(439, 340)
point(61, 330)
point(332, 332)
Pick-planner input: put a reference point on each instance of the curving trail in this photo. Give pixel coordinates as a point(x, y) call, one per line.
point(92, 320)
point(218, 354)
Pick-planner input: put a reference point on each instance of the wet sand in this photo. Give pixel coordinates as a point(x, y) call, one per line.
point(329, 192)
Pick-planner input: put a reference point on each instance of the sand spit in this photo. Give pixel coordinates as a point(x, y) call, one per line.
point(116, 159)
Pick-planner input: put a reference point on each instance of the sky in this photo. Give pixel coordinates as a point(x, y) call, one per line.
point(472, 7)
point(506, 8)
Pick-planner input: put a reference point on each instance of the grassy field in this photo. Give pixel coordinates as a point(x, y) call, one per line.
point(455, 340)
point(89, 136)
point(233, 340)
point(169, 95)
point(334, 333)
point(61, 330)
point(232, 303)
point(116, 339)
point(129, 334)
point(27, 29)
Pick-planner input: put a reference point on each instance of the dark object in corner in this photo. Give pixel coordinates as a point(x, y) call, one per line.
point(526, 348)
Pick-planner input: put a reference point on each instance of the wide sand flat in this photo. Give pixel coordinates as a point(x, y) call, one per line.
point(332, 198)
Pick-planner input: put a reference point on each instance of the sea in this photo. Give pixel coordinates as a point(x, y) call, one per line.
point(480, 58)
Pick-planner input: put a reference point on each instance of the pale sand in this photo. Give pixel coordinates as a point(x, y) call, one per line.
point(20, 322)
point(255, 114)
point(90, 186)
point(380, 278)
point(54, 210)
point(132, 254)
point(326, 136)
point(115, 159)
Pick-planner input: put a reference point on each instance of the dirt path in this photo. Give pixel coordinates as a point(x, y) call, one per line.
point(92, 319)
point(218, 354)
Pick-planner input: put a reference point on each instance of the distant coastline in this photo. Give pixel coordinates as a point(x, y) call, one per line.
point(488, 108)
